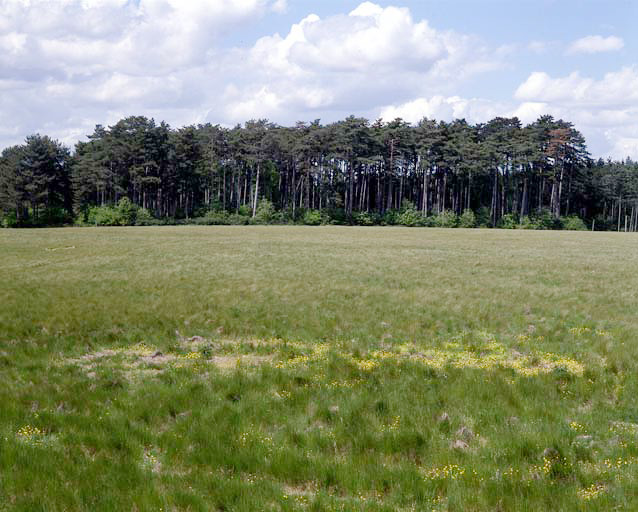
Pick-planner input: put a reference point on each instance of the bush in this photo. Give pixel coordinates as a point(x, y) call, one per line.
point(390, 218)
point(467, 219)
point(265, 212)
point(446, 219)
point(526, 223)
point(545, 220)
point(336, 216)
point(245, 210)
point(237, 219)
point(216, 218)
point(127, 212)
point(103, 216)
point(54, 216)
point(409, 216)
point(312, 218)
point(484, 217)
point(144, 218)
point(604, 224)
point(365, 219)
point(508, 221)
point(573, 223)
point(9, 220)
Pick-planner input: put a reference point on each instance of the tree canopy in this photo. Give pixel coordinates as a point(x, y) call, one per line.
point(497, 170)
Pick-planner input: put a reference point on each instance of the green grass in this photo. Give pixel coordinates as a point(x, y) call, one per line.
point(284, 368)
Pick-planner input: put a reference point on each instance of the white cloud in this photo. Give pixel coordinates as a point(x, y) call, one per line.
point(280, 6)
point(444, 108)
point(604, 110)
point(66, 65)
point(351, 62)
point(542, 47)
point(616, 88)
point(595, 44)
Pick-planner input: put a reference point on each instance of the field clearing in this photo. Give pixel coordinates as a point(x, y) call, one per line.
point(318, 368)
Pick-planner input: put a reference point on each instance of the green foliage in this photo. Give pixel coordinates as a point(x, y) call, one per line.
point(9, 220)
point(216, 218)
point(336, 216)
point(573, 223)
point(389, 218)
point(123, 214)
point(312, 218)
point(126, 211)
point(446, 219)
point(602, 223)
point(55, 216)
point(545, 220)
point(103, 216)
point(365, 219)
point(265, 213)
point(236, 219)
point(526, 223)
point(190, 170)
point(483, 217)
point(508, 221)
point(143, 217)
point(467, 219)
point(409, 215)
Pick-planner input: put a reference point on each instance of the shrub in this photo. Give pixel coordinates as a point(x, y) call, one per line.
point(265, 212)
point(484, 217)
point(335, 216)
point(526, 223)
point(237, 219)
point(545, 220)
point(245, 210)
point(389, 218)
point(508, 221)
point(9, 220)
point(467, 219)
point(573, 223)
point(365, 219)
point(446, 219)
point(144, 217)
point(126, 211)
point(216, 218)
point(54, 216)
point(103, 216)
point(409, 216)
point(312, 218)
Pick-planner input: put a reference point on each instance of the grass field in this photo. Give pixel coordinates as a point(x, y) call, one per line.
point(328, 368)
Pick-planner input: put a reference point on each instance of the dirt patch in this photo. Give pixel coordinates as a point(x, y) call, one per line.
point(99, 355)
point(303, 489)
point(142, 361)
point(227, 362)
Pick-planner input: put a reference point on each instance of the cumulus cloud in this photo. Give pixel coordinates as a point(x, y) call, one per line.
point(73, 63)
point(605, 110)
point(69, 64)
point(618, 88)
point(352, 62)
point(595, 44)
point(444, 108)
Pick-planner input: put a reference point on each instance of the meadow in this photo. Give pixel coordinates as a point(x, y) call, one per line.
point(287, 368)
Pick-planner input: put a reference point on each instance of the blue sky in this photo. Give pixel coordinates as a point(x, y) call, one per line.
point(66, 65)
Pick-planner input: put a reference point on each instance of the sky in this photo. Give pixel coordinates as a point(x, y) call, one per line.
point(67, 65)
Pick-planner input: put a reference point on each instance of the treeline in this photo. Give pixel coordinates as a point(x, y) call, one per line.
point(355, 172)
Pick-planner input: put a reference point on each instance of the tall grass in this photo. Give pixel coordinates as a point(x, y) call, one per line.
point(283, 368)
